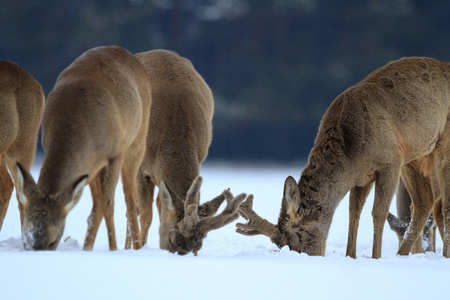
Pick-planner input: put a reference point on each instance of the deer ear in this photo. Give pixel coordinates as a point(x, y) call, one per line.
point(193, 194)
point(76, 191)
point(165, 196)
point(25, 184)
point(169, 198)
point(291, 196)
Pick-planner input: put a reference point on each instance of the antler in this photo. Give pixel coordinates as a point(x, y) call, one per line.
point(190, 220)
point(257, 225)
point(211, 207)
point(397, 225)
point(196, 220)
point(228, 215)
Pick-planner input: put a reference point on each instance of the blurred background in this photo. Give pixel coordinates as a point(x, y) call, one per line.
point(274, 66)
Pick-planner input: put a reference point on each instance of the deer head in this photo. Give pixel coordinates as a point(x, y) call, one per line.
point(45, 215)
point(184, 224)
point(293, 227)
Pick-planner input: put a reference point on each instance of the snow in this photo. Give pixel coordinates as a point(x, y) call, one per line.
point(229, 265)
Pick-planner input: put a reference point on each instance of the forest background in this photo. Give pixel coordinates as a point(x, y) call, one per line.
point(274, 65)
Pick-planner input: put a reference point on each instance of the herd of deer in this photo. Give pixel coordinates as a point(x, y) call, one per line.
point(147, 118)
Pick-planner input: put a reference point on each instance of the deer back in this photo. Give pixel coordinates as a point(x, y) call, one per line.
point(95, 112)
point(397, 112)
point(180, 127)
point(178, 139)
point(21, 105)
point(394, 116)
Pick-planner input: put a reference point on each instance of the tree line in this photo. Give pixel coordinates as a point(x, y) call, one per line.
point(274, 66)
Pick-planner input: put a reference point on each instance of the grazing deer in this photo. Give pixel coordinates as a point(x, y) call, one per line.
point(393, 121)
point(178, 139)
point(400, 223)
point(21, 105)
point(94, 126)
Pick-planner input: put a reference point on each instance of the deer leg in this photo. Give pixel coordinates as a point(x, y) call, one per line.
point(417, 247)
point(109, 180)
point(96, 215)
point(439, 217)
point(385, 187)
point(127, 238)
point(403, 203)
point(445, 209)
point(433, 241)
point(6, 189)
point(358, 197)
point(420, 189)
point(129, 176)
point(429, 235)
point(158, 204)
point(145, 189)
point(102, 191)
point(404, 209)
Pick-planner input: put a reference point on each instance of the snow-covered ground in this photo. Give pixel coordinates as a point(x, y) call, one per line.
point(229, 266)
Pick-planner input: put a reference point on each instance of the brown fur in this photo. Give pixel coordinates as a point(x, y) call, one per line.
point(426, 164)
point(21, 105)
point(371, 133)
point(94, 128)
point(178, 139)
point(400, 223)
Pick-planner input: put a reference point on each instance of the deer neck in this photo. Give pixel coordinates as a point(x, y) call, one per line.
point(62, 168)
point(317, 212)
point(320, 194)
point(178, 169)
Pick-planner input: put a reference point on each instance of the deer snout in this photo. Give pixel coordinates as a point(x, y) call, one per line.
point(38, 238)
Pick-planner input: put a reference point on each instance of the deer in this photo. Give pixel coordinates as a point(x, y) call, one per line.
point(400, 223)
point(94, 126)
point(21, 105)
point(391, 124)
point(179, 135)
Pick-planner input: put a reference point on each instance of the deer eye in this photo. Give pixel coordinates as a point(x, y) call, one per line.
point(172, 242)
point(52, 244)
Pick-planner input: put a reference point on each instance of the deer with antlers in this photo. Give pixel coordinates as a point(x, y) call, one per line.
point(94, 126)
point(21, 105)
point(394, 122)
point(178, 139)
